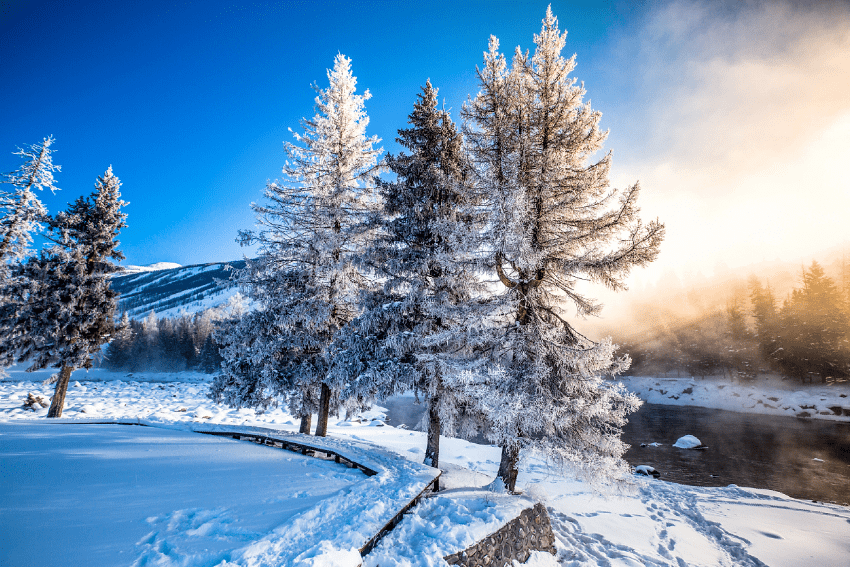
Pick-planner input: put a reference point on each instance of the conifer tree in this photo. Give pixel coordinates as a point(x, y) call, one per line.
point(813, 329)
point(554, 220)
point(422, 255)
point(740, 347)
point(305, 279)
point(766, 320)
point(62, 308)
point(117, 356)
point(21, 210)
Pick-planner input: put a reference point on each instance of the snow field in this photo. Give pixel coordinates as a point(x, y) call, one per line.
point(124, 495)
point(765, 396)
point(655, 523)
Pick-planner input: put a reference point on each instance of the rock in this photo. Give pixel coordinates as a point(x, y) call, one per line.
point(689, 442)
point(647, 470)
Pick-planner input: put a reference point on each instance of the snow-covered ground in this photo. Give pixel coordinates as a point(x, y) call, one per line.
point(766, 395)
point(657, 523)
point(119, 495)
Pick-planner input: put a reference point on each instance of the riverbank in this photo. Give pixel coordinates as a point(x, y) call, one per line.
point(768, 395)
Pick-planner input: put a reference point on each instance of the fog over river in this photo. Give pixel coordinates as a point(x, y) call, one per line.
point(808, 459)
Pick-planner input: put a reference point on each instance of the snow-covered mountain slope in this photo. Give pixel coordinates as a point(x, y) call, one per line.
point(156, 266)
point(170, 289)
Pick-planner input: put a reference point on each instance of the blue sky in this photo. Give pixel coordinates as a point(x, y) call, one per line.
point(190, 101)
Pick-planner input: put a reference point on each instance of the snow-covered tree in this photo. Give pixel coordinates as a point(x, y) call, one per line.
point(422, 252)
point(554, 221)
point(61, 308)
point(304, 280)
point(21, 210)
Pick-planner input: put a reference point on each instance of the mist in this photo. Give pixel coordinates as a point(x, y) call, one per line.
point(741, 131)
point(740, 139)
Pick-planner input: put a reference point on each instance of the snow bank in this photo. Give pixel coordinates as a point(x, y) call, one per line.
point(444, 524)
point(768, 395)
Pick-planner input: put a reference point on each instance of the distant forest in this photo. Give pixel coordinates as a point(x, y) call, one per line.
point(166, 345)
point(804, 335)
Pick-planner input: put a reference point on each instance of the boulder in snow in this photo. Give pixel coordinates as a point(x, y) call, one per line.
point(647, 470)
point(689, 442)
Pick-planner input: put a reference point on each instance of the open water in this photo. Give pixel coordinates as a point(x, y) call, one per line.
point(807, 459)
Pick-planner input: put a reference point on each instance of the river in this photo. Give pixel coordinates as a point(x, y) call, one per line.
point(808, 459)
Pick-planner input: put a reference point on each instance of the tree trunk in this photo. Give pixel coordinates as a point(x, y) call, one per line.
point(324, 408)
point(59, 393)
point(305, 424)
point(432, 450)
point(508, 466)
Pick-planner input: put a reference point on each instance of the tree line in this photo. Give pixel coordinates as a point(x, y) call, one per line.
point(165, 345)
point(806, 337)
point(456, 279)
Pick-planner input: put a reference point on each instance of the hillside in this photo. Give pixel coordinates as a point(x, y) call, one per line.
point(169, 291)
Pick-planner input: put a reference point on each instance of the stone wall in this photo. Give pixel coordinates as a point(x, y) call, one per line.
point(529, 531)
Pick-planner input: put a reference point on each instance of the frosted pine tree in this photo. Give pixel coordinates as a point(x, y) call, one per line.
point(20, 207)
point(310, 233)
point(62, 308)
point(422, 254)
point(555, 221)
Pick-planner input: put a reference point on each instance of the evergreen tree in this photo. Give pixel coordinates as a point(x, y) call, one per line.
point(814, 331)
point(740, 345)
point(62, 309)
point(209, 359)
point(21, 210)
point(554, 220)
point(118, 351)
point(766, 319)
point(311, 232)
point(422, 253)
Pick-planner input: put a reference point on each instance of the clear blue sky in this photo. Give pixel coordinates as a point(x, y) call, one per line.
point(190, 101)
point(722, 109)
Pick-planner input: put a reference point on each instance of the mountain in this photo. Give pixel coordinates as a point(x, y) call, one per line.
point(150, 267)
point(171, 289)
